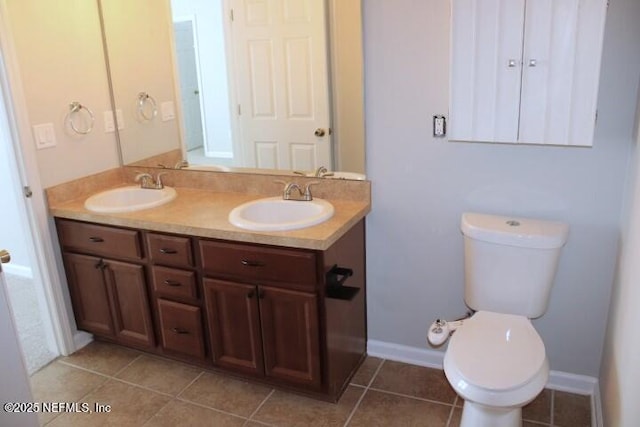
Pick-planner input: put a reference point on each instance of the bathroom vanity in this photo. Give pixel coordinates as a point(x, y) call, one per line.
point(270, 307)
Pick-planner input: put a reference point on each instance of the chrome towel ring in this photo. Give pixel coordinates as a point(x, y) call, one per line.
point(75, 108)
point(147, 107)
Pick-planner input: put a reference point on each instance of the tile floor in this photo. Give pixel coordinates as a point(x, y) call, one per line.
point(144, 390)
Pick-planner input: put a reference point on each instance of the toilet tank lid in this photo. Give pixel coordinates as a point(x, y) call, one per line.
point(513, 231)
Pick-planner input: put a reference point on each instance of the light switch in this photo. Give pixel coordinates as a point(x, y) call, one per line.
point(120, 119)
point(168, 111)
point(109, 124)
point(45, 136)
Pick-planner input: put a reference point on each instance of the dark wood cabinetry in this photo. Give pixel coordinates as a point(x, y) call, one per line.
point(272, 313)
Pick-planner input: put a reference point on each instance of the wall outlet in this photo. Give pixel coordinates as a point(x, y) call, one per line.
point(439, 126)
point(44, 135)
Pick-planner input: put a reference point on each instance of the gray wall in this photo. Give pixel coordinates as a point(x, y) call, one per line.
point(422, 185)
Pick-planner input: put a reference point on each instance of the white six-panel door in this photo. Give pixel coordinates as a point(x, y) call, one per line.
point(281, 73)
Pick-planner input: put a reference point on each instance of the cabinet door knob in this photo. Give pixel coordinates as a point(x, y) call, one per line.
point(179, 331)
point(168, 251)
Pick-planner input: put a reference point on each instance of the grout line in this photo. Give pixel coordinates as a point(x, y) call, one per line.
point(366, 389)
point(190, 384)
point(142, 387)
point(157, 412)
point(260, 405)
point(553, 408)
point(412, 397)
point(191, 402)
point(453, 408)
point(127, 365)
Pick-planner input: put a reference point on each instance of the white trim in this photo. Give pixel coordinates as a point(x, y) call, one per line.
point(18, 270)
point(561, 381)
point(220, 154)
point(81, 339)
point(45, 266)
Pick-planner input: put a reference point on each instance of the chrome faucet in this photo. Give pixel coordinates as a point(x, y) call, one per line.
point(321, 172)
point(303, 195)
point(147, 181)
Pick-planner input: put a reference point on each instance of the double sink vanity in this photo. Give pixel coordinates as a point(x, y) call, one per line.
point(279, 297)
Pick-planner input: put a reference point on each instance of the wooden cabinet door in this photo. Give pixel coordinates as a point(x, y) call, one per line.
point(181, 328)
point(89, 294)
point(234, 325)
point(130, 306)
point(290, 335)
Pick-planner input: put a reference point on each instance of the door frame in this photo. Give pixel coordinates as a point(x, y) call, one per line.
point(42, 230)
point(196, 48)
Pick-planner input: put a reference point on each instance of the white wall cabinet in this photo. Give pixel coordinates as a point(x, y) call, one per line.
point(525, 71)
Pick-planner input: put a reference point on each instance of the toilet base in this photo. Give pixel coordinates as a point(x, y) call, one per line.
point(476, 415)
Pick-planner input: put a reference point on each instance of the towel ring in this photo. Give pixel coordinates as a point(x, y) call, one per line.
point(76, 107)
point(144, 99)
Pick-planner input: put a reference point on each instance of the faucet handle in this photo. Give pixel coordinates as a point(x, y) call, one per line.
point(159, 184)
point(307, 190)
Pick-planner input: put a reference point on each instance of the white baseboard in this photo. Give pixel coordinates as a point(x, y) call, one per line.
point(81, 339)
point(562, 381)
point(18, 270)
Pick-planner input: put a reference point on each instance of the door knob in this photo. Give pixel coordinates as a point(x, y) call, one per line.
point(5, 256)
point(320, 132)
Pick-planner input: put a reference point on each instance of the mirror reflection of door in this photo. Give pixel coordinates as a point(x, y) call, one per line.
point(275, 87)
point(189, 83)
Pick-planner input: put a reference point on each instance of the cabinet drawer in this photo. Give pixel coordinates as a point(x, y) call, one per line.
point(258, 263)
point(174, 283)
point(170, 250)
point(100, 240)
point(181, 328)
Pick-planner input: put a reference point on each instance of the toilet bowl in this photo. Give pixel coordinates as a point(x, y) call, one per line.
point(497, 363)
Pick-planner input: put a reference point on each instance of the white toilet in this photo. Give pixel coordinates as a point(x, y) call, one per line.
point(496, 360)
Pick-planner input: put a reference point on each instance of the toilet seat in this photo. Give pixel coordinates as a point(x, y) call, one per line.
point(496, 359)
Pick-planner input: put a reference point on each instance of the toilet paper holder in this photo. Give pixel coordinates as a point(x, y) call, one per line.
point(335, 279)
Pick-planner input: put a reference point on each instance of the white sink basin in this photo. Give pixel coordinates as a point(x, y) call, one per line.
point(129, 199)
point(276, 214)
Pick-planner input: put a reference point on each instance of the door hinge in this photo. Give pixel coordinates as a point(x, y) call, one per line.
point(27, 191)
point(239, 109)
point(231, 15)
point(595, 120)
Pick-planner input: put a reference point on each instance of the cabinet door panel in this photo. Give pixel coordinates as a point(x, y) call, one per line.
point(562, 52)
point(131, 314)
point(290, 335)
point(181, 328)
point(89, 294)
point(234, 324)
point(486, 51)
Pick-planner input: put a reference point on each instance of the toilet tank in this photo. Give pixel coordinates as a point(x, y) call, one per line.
point(510, 263)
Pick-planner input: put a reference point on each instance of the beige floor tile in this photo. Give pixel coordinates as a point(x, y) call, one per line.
point(130, 406)
point(162, 375)
point(366, 371)
point(58, 382)
point(382, 409)
point(183, 414)
point(571, 410)
point(415, 381)
point(102, 357)
point(540, 409)
point(286, 409)
point(226, 393)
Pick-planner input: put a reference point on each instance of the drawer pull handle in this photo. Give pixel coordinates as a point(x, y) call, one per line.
point(96, 239)
point(179, 331)
point(172, 283)
point(252, 263)
point(250, 294)
point(168, 251)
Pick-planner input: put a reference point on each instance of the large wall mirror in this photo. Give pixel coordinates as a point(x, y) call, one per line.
point(239, 85)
